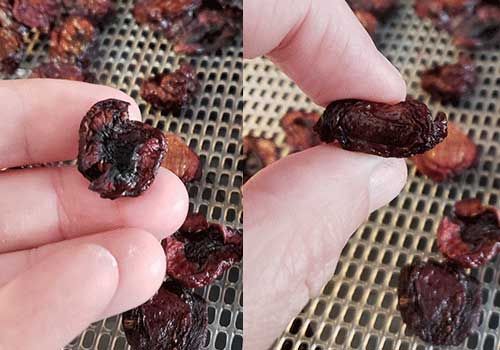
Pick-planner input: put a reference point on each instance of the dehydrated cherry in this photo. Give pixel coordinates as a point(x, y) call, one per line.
point(259, 153)
point(400, 130)
point(73, 40)
point(171, 90)
point(438, 302)
point(450, 81)
point(181, 160)
point(95, 10)
point(298, 127)
point(173, 319)
point(39, 14)
point(231, 3)
point(470, 236)
point(378, 8)
point(11, 50)
point(481, 30)
point(119, 156)
point(450, 158)
point(445, 13)
point(200, 252)
point(368, 21)
point(58, 70)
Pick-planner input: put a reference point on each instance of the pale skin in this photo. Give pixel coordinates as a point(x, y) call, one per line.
point(300, 211)
point(68, 257)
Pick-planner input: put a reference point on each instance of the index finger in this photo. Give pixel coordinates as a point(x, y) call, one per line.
point(41, 118)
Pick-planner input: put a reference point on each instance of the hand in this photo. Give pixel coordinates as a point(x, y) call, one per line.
point(68, 257)
point(301, 210)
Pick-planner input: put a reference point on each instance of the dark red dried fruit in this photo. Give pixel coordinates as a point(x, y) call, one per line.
point(368, 21)
point(298, 127)
point(401, 130)
point(57, 70)
point(450, 81)
point(11, 50)
point(482, 30)
point(173, 319)
point(450, 158)
point(171, 90)
point(73, 41)
point(445, 13)
point(95, 10)
point(181, 160)
point(259, 153)
point(199, 252)
point(119, 156)
point(39, 14)
point(438, 302)
point(470, 236)
point(379, 8)
point(231, 3)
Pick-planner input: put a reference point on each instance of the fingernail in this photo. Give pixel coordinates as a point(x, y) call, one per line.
point(101, 254)
point(386, 181)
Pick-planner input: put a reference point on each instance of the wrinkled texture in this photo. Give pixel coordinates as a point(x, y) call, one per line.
point(450, 158)
point(470, 236)
point(38, 14)
point(173, 319)
point(298, 127)
point(94, 10)
point(73, 41)
point(171, 90)
point(450, 81)
point(379, 8)
point(259, 153)
point(119, 156)
point(181, 160)
point(368, 21)
point(199, 252)
point(438, 302)
point(56, 70)
point(11, 39)
point(401, 130)
point(444, 13)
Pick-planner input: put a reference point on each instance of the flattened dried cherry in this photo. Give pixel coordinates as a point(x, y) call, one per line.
point(482, 30)
point(39, 14)
point(378, 8)
point(450, 158)
point(173, 319)
point(298, 127)
point(200, 252)
point(367, 20)
point(438, 302)
point(58, 70)
point(181, 160)
point(470, 236)
point(11, 50)
point(400, 130)
point(95, 10)
point(119, 156)
point(259, 153)
point(445, 13)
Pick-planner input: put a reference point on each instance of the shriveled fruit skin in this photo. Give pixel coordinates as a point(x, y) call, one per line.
point(37, 14)
point(181, 160)
point(369, 21)
point(378, 8)
point(61, 70)
point(439, 302)
point(12, 44)
point(95, 10)
point(173, 319)
point(298, 127)
point(401, 130)
point(259, 153)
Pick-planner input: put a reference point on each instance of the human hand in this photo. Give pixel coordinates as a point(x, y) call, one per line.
point(301, 210)
point(68, 257)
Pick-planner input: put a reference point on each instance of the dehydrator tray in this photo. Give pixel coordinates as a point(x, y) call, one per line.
point(357, 307)
point(212, 126)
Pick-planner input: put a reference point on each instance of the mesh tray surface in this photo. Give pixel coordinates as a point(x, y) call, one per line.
point(357, 307)
point(212, 126)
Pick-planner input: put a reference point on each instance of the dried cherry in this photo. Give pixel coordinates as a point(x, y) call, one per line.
point(171, 90)
point(173, 319)
point(400, 130)
point(119, 156)
point(481, 30)
point(95, 10)
point(39, 14)
point(58, 70)
point(11, 49)
point(470, 236)
point(298, 127)
point(379, 8)
point(200, 252)
point(231, 3)
point(181, 160)
point(450, 158)
point(259, 153)
point(445, 13)
point(438, 302)
point(367, 20)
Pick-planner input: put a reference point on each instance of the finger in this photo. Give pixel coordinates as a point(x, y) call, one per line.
point(322, 46)
point(299, 213)
point(140, 257)
point(41, 118)
point(49, 304)
point(41, 206)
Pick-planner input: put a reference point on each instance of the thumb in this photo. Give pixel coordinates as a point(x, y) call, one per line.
point(299, 213)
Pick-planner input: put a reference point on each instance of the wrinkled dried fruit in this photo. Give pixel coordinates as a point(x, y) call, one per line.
point(119, 156)
point(400, 130)
point(438, 302)
point(298, 127)
point(445, 13)
point(470, 236)
point(450, 81)
point(11, 50)
point(259, 153)
point(181, 160)
point(231, 3)
point(482, 30)
point(450, 158)
point(368, 21)
point(199, 252)
point(39, 14)
point(379, 8)
point(94, 10)
point(171, 90)
point(173, 319)
point(57, 70)
point(73, 41)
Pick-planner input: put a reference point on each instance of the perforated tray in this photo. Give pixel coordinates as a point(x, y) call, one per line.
point(357, 307)
point(212, 126)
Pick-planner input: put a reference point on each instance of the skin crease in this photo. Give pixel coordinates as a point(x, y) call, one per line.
point(50, 243)
point(301, 210)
